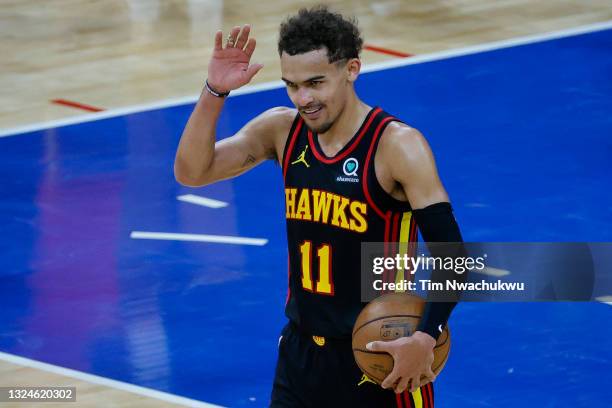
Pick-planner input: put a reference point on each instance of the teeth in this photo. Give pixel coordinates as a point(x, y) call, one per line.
point(312, 111)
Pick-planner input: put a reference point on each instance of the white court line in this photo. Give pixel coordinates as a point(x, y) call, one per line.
point(94, 379)
point(605, 299)
point(111, 113)
point(489, 271)
point(220, 239)
point(457, 52)
point(199, 200)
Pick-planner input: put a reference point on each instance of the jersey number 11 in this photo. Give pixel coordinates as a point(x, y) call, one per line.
point(324, 285)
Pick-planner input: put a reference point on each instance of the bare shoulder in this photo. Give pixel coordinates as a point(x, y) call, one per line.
point(408, 160)
point(267, 132)
point(277, 119)
point(404, 141)
point(276, 125)
point(284, 118)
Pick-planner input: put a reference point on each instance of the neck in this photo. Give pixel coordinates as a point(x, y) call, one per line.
point(348, 122)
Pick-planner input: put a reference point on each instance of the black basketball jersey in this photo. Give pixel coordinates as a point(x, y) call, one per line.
point(332, 205)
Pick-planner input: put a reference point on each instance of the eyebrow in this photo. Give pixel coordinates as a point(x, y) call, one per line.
point(314, 78)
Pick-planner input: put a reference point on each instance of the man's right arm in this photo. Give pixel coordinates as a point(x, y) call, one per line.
point(200, 160)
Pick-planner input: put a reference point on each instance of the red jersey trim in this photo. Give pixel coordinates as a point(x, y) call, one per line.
point(296, 132)
point(428, 389)
point(398, 400)
point(390, 245)
point(408, 399)
point(352, 147)
point(364, 178)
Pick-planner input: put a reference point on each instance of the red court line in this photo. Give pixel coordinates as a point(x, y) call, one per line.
point(77, 105)
point(387, 51)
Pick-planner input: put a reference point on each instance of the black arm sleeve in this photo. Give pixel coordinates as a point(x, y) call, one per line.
point(437, 224)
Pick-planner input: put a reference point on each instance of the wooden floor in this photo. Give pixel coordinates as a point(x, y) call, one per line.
point(88, 393)
point(117, 53)
point(113, 54)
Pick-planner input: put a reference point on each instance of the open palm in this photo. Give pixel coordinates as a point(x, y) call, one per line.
point(229, 67)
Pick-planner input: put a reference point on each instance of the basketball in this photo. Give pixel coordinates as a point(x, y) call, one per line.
point(386, 318)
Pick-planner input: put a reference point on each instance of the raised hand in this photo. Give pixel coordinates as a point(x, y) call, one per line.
point(229, 67)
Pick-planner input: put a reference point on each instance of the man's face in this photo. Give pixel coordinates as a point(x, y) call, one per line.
point(318, 89)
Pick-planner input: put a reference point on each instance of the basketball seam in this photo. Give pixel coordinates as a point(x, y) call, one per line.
point(370, 352)
point(447, 331)
point(442, 362)
point(366, 372)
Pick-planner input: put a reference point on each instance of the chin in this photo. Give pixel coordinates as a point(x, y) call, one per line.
point(322, 128)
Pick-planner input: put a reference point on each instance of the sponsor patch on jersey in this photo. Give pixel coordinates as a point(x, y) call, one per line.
point(347, 179)
point(349, 168)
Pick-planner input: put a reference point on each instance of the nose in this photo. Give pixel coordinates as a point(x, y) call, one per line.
point(304, 97)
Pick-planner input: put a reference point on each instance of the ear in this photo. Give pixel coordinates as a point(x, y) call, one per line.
point(353, 67)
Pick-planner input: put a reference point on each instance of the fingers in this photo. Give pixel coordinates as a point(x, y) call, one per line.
point(377, 346)
point(390, 380)
point(252, 70)
point(402, 385)
point(250, 47)
point(231, 39)
point(428, 377)
point(243, 37)
point(384, 346)
point(218, 40)
point(415, 384)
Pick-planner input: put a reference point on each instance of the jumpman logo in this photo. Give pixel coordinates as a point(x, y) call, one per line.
point(302, 158)
point(365, 379)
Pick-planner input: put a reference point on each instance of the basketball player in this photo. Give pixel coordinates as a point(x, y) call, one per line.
point(352, 173)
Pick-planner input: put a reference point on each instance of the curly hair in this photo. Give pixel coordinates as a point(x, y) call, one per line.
point(318, 27)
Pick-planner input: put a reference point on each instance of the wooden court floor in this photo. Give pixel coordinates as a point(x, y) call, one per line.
point(116, 53)
point(112, 54)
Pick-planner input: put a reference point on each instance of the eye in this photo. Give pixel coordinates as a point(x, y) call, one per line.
point(291, 85)
point(315, 83)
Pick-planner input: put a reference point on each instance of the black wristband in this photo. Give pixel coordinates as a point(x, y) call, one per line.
point(214, 92)
point(437, 224)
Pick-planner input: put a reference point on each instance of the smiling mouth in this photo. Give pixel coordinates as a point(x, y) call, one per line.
point(311, 111)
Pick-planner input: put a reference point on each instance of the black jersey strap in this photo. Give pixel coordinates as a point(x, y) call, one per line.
point(380, 201)
point(291, 140)
point(370, 121)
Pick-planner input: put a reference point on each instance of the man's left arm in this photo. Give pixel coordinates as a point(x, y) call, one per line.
point(410, 163)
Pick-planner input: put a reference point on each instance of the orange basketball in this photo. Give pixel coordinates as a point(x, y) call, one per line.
point(386, 318)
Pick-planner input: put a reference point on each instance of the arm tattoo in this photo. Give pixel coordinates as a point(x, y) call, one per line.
point(250, 159)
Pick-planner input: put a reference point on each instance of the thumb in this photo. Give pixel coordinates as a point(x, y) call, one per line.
point(376, 346)
point(252, 70)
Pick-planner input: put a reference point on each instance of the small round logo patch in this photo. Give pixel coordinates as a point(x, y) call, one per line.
point(350, 166)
